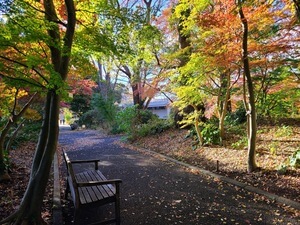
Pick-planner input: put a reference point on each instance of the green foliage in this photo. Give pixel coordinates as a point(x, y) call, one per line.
point(238, 116)
point(91, 119)
point(80, 103)
point(29, 132)
point(106, 107)
point(273, 148)
point(284, 131)
point(295, 159)
point(210, 133)
point(154, 126)
point(7, 163)
point(280, 93)
point(126, 119)
point(68, 116)
point(281, 169)
point(241, 143)
point(189, 19)
point(135, 122)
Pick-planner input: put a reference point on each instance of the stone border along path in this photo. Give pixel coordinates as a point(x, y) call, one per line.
point(57, 220)
point(228, 180)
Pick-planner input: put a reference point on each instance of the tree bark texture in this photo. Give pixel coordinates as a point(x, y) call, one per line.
point(30, 208)
point(251, 114)
point(223, 100)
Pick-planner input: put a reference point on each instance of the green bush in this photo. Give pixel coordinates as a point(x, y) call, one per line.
point(136, 123)
point(284, 131)
point(240, 144)
point(91, 119)
point(106, 106)
point(237, 117)
point(154, 126)
point(125, 120)
point(210, 133)
point(29, 132)
point(295, 159)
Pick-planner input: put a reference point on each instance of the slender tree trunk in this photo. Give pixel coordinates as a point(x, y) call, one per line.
point(251, 114)
point(13, 136)
point(224, 101)
point(12, 120)
point(197, 125)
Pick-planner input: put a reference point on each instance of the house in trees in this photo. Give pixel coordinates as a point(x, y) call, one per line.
point(161, 107)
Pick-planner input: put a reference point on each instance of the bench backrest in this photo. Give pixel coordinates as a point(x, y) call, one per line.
point(71, 180)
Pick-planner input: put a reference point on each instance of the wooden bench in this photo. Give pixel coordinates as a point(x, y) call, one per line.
point(91, 189)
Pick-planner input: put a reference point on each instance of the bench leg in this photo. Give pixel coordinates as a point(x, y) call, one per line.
point(117, 206)
point(76, 216)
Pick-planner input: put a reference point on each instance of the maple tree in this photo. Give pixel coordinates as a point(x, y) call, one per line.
point(211, 63)
point(38, 38)
point(82, 91)
point(250, 107)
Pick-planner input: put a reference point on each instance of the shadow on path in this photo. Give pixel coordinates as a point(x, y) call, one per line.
point(160, 192)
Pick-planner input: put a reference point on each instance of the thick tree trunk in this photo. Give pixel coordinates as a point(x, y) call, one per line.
point(29, 211)
point(251, 114)
point(137, 98)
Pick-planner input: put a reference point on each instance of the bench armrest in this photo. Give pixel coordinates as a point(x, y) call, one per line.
point(96, 161)
point(95, 183)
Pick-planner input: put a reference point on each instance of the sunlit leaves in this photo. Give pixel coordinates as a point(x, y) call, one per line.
point(187, 12)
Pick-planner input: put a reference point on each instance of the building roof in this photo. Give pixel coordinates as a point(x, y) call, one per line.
point(159, 103)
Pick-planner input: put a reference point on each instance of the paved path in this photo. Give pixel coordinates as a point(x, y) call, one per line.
point(160, 192)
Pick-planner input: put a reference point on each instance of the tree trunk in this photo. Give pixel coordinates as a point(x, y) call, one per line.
point(198, 115)
point(251, 114)
point(29, 211)
point(224, 102)
point(137, 98)
point(12, 120)
point(13, 136)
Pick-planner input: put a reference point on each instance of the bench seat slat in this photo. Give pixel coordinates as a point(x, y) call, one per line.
point(106, 190)
point(94, 193)
point(91, 188)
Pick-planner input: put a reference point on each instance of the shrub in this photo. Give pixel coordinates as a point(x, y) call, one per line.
point(240, 144)
point(237, 117)
point(136, 123)
point(284, 131)
point(29, 132)
point(210, 133)
point(90, 119)
point(295, 159)
point(125, 120)
point(154, 126)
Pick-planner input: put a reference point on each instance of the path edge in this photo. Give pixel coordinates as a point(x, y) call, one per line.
point(274, 197)
point(56, 208)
